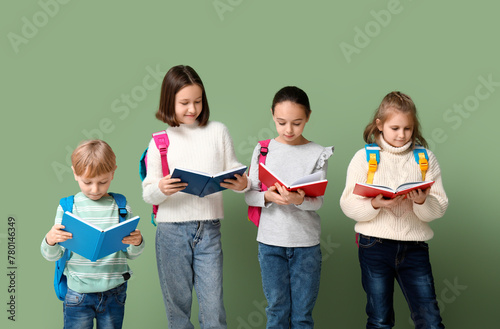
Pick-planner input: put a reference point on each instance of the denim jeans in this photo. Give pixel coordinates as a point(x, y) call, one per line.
point(106, 307)
point(290, 280)
point(384, 260)
point(190, 254)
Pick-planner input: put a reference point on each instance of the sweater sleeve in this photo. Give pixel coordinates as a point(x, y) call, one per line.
point(436, 202)
point(315, 203)
point(53, 253)
point(254, 196)
point(133, 251)
point(357, 207)
point(150, 191)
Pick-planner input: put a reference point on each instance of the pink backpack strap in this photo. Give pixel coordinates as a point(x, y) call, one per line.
point(162, 143)
point(262, 157)
point(254, 212)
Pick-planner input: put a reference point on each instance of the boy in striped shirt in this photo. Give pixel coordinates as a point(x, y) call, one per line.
point(95, 289)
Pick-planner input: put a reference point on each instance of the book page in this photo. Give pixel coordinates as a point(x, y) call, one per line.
point(192, 171)
point(83, 221)
point(378, 187)
point(412, 185)
point(125, 222)
point(308, 179)
point(235, 170)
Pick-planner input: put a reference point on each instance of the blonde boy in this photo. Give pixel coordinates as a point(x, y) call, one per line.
point(96, 290)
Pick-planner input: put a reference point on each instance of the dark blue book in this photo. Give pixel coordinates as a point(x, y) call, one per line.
point(92, 242)
point(201, 184)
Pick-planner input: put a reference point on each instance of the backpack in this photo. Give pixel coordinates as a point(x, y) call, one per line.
point(254, 212)
point(60, 280)
point(373, 158)
point(162, 143)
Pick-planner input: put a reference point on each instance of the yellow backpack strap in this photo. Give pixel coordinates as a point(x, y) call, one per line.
point(421, 157)
point(373, 158)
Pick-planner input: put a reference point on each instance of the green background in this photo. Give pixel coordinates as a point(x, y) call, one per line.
point(68, 70)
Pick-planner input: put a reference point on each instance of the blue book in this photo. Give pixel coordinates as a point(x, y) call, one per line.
point(201, 184)
point(92, 242)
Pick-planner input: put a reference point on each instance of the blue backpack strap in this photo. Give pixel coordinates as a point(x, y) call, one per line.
point(373, 158)
point(421, 158)
point(67, 203)
point(143, 165)
point(372, 148)
point(60, 280)
point(121, 201)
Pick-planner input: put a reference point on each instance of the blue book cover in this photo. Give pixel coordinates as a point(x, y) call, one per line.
point(201, 184)
point(92, 242)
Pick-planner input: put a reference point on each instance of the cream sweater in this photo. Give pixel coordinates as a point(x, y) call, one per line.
point(406, 222)
point(208, 149)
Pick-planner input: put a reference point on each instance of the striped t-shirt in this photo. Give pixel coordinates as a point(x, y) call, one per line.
point(106, 273)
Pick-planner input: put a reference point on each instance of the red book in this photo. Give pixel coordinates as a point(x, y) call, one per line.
point(370, 190)
point(312, 184)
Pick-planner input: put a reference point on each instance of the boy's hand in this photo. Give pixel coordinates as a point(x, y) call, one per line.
point(238, 184)
point(134, 238)
point(56, 234)
point(169, 186)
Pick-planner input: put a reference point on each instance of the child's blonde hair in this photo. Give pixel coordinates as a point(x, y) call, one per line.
point(394, 101)
point(93, 158)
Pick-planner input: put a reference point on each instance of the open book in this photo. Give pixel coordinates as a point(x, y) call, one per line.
point(311, 184)
point(92, 242)
point(370, 190)
point(201, 184)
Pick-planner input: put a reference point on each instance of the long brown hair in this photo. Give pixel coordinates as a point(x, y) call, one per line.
point(177, 78)
point(394, 101)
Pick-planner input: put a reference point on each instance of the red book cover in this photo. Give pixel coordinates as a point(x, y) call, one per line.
point(312, 185)
point(370, 191)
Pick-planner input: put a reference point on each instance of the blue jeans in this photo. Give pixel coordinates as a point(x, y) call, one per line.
point(384, 260)
point(106, 307)
point(290, 279)
point(190, 254)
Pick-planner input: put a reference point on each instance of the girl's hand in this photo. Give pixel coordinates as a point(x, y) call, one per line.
point(238, 184)
point(56, 234)
point(169, 186)
point(295, 198)
point(380, 202)
point(135, 238)
point(272, 195)
point(418, 196)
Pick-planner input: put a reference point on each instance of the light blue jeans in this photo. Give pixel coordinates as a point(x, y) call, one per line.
point(290, 279)
point(190, 254)
point(107, 308)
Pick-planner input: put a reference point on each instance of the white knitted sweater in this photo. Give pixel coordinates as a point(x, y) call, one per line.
point(208, 149)
point(406, 222)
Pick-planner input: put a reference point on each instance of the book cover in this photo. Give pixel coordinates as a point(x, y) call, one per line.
point(92, 242)
point(202, 184)
point(312, 184)
point(370, 190)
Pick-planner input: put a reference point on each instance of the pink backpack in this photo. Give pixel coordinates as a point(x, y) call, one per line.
point(162, 143)
point(254, 212)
